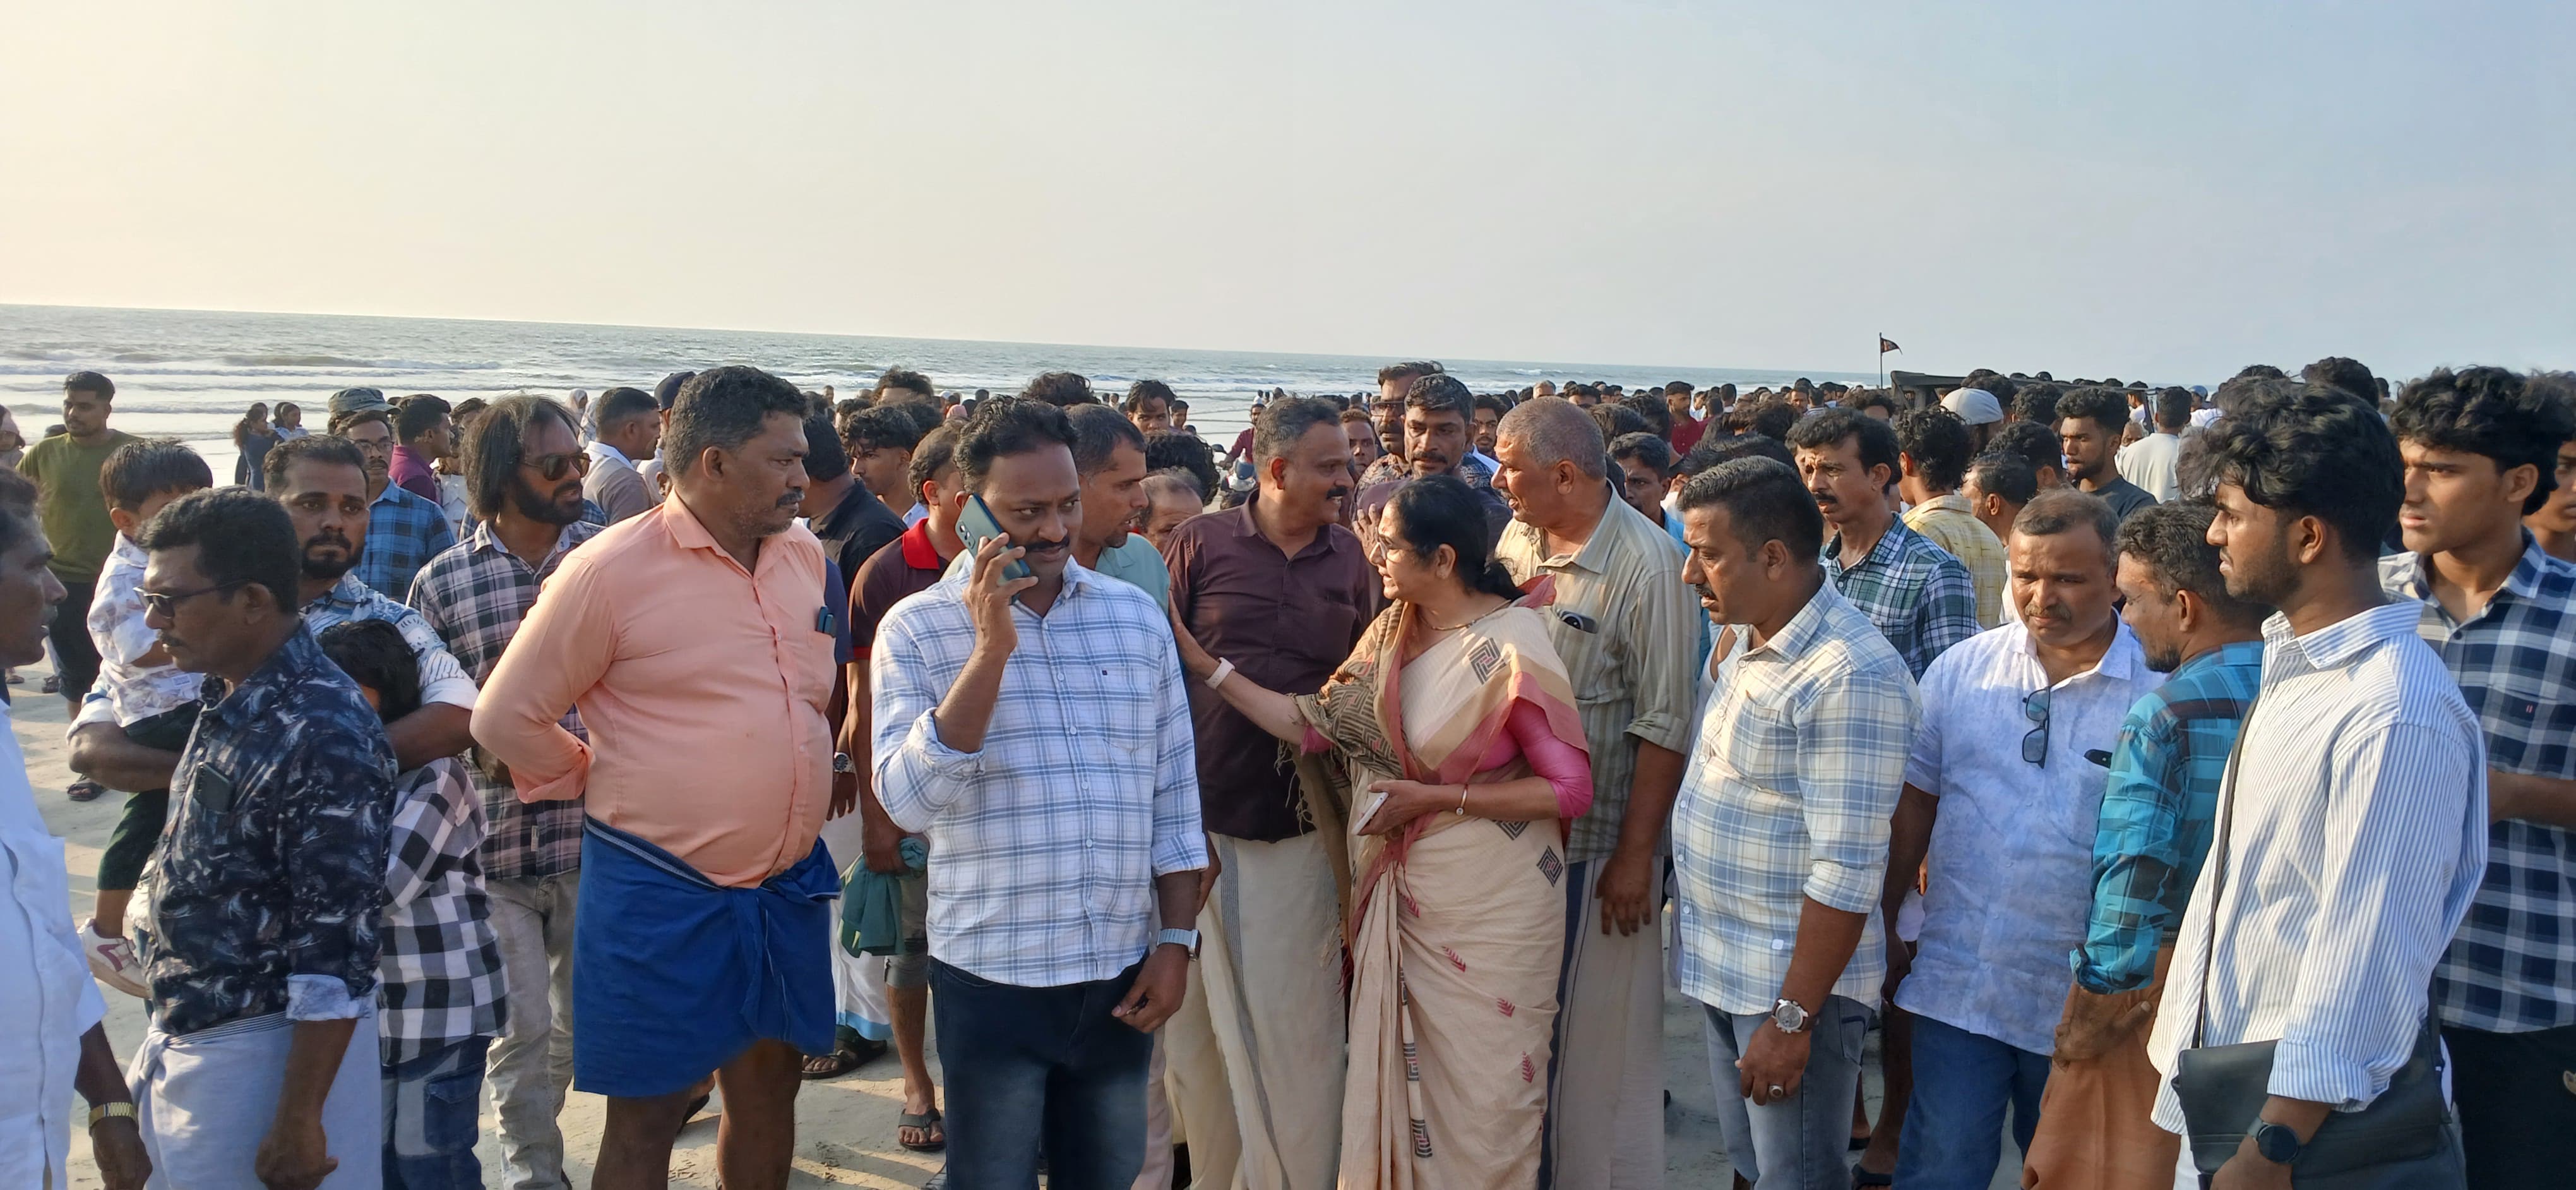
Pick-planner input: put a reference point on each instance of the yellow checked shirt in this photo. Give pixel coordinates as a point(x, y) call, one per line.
point(1946, 520)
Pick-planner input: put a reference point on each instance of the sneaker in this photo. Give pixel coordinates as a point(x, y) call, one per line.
point(112, 960)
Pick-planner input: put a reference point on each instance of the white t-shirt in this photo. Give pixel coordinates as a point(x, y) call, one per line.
point(46, 994)
point(2149, 463)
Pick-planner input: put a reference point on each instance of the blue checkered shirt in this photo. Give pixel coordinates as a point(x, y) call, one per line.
point(403, 533)
point(1050, 838)
point(1800, 758)
point(1922, 599)
point(2157, 813)
point(2512, 967)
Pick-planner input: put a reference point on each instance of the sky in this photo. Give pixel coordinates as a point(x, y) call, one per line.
point(2163, 191)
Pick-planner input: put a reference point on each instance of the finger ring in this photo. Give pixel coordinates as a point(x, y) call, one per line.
point(1778, 1091)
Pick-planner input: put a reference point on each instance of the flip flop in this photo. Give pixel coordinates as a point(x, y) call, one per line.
point(925, 1121)
point(1862, 1177)
point(843, 1061)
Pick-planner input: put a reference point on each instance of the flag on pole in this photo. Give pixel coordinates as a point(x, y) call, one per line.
point(1886, 345)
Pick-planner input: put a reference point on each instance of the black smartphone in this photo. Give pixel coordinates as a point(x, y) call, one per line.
point(976, 526)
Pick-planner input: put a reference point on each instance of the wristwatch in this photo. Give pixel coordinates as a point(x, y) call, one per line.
point(1789, 1016)
point(2276, 1142)
point(110, 1111)
point(1186, 939)
point(841, 763)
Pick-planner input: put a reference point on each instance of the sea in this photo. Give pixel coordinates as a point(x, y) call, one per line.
point(190, 374)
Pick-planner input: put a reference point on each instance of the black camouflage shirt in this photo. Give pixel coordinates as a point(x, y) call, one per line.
point(272, 866)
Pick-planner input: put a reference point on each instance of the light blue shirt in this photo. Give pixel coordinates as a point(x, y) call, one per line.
point(2012, 852)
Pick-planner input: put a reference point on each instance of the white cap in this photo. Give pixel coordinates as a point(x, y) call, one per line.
point(1975, 406)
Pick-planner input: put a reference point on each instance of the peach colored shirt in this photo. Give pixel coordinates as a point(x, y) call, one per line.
point(702, 685)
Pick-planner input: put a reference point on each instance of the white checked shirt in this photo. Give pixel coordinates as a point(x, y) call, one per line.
point(1800, 757)
point(440, 967)
point(1086, 790)
point(2011, 862)
point(2359, 837)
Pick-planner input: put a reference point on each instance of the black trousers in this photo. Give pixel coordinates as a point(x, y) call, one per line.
point(2516, 1093)
point(129, 847)
point(75, 655)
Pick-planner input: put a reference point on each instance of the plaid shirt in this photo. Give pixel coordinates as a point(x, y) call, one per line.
point(403, 533)
point(2512, 968)
point(1800, 757)
point(1388, 467)
point(2157, 813)
point(473, 597)
point(1049, 840)
point(442, 964)
point(1920, 597)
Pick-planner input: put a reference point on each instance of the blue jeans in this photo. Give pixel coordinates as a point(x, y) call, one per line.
point(1954, 1124)
point(430, 1105)
point(1802, 1142)
point(1032, 1070)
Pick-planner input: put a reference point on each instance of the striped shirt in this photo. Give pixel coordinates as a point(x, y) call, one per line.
point(1920, 597)
point(1086, 790)
point(2513, 967)
point(2355, 839)
point(1629, 647)
point(2154, 833)
point(1798, 764)
point(474, 597)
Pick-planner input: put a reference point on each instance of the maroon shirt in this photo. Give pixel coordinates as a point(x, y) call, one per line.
point(1287, 624)
point(910, 564)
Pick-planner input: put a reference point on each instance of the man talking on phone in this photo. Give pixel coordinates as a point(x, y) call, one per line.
point(1068, 840)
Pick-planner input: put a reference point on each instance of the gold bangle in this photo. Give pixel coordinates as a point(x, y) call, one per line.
point(109, 1111)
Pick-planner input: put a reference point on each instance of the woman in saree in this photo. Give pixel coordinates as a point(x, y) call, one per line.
point(1459, 759)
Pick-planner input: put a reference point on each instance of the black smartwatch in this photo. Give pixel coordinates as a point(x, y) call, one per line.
point(2276, 1142)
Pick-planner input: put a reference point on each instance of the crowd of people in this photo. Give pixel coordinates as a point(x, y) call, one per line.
point(2180, 781)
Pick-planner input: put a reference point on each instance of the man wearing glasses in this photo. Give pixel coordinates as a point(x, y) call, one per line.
point(524, 477)
point(2003, 793)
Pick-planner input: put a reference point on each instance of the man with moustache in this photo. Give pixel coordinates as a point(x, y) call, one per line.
point(2481, 446)
point(2353, 838)
point(404, 530)
point(1920, 596)
point(1436, 411)
point(696, 643)
point(524, 475)
point(1780, 828)
point(1281, 591)
point(260, 947)
point(2095, 1130)
point(322, 481)
point(1622, 621)
point(1042, 715)
point(2001, 796)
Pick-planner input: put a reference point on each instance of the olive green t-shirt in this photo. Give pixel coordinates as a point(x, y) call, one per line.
point(73, 510)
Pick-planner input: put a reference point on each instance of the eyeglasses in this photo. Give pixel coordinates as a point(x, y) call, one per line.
point(2034, 746)
point(555, 467)
point(163, 604)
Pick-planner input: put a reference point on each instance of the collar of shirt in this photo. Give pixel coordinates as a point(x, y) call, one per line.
point(689, 534)
point(1593, 554)
point(249, 700)
point(918, 552)
point(1945, 502)
point(2124, 660)
point(1239, 522)
point(1799, 634)
point(2406, 574)
point(348, 594)
point(1883, 553)
point(2338, 644)
point(601, 452)
point(484, 541)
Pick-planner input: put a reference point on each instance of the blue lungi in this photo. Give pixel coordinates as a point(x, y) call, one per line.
point(675, 975)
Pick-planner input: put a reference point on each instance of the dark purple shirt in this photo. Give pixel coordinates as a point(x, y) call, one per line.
point(1287, 624)
point(412, 473)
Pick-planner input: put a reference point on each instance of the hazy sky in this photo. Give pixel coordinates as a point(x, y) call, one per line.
point(2166, 192)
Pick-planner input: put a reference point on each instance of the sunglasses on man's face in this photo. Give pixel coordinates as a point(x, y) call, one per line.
point(163, 603)
point(555, 467)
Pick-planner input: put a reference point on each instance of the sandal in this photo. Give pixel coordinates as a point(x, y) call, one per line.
point(84, 791)
point(843, 1060)
point(924, 1123)
point(1862, 1177)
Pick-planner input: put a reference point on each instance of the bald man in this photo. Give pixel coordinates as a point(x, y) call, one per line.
point(1629, 633)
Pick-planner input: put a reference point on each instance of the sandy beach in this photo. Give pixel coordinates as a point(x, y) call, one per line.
point(845, 1127)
